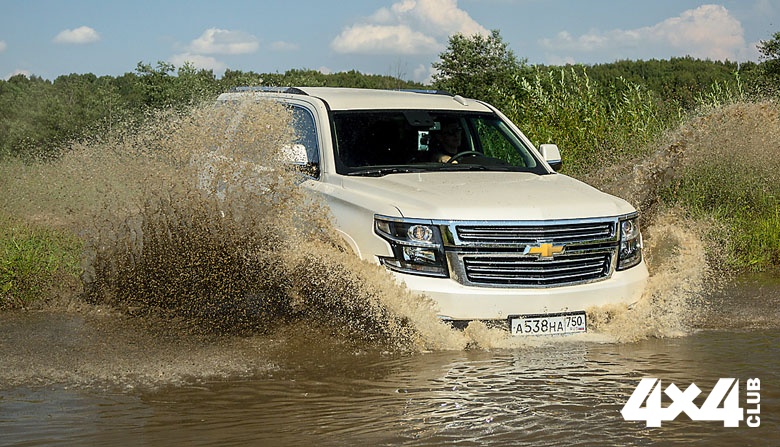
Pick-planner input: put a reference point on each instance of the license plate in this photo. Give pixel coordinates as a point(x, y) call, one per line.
point(548, 324)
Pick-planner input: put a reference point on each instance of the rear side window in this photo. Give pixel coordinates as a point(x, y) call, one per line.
point(306, 133)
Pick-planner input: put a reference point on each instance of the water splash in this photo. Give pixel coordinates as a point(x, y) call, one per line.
point(217, 244)
point(674, 296)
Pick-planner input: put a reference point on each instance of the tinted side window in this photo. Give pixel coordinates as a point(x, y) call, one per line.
point(306, 133)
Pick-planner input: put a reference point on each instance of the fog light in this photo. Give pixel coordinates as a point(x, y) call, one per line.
point(420, 255)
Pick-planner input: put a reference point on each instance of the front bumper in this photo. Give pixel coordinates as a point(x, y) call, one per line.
point(456, 301)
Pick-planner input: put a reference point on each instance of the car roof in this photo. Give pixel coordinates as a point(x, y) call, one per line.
point(340, 98)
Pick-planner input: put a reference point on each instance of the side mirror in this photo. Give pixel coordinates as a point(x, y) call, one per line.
point(295, 154)
point(552, 155)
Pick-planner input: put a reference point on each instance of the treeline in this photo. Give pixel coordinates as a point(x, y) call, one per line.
point(680, 80)
point(38, 116)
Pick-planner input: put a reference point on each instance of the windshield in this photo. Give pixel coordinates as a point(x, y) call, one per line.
point(391, 141)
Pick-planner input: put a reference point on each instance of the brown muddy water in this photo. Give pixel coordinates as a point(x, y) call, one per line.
point(93, 379)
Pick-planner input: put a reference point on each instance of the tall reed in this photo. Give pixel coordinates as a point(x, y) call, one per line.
point(592, 124)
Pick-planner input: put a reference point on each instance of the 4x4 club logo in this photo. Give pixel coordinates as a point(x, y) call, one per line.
point(722, 404)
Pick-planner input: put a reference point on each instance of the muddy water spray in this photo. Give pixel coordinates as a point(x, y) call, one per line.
point(220, 239)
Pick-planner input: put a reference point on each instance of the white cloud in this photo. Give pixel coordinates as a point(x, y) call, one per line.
point(3, 46)
point(220, 41)
point(553, 59)
point(407, 27)
point(424, 73)
point(382, 39)
point(199, 61)
point(706, 32)
point(440, 17)
point(80, 35)
point(215, 41)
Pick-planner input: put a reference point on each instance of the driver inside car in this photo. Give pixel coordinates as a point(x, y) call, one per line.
point(446, 142)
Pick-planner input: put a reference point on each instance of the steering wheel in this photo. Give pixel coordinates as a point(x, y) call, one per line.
point(460, 155)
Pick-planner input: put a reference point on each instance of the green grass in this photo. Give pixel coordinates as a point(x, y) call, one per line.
point(750, 217)
point(757, 244)
point(33, 261)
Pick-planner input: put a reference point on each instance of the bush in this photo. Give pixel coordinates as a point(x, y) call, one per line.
point(32, 261)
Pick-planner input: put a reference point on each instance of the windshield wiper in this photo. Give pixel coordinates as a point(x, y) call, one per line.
point(379, 172)
point(478, 167)
point(470, 167)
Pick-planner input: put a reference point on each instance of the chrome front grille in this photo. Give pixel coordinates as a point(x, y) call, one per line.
point(507, 254)
point(530, 234)
point(513, 270)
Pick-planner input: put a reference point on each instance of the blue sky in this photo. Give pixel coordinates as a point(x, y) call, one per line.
point(49, 38)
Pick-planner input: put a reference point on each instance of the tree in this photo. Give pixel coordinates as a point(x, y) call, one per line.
point(157, 84)
point(478, 66)
point(770, 54)
point(193, 85)
point(770, 49)
point(768, 81)
point(237, 78)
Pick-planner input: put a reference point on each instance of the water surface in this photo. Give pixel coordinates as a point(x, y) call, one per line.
point(76, 379)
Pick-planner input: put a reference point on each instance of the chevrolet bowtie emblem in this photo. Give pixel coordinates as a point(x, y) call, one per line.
point(544, 250)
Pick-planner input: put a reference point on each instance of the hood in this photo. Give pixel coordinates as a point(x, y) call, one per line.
point(487, 196)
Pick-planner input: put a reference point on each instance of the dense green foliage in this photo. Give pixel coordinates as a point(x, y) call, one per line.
point(678, 81)
point(745, 203)
point(729, 175)
point(38, 117)
point(589, 120)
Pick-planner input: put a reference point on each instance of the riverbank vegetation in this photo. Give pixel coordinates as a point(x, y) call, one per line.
point(33, 260)
point(710, 129)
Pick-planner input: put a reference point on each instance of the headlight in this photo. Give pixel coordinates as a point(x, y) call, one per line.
point(417, 246)
point(630, 253)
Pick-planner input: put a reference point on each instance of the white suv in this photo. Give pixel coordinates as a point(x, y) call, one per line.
point(489, 231)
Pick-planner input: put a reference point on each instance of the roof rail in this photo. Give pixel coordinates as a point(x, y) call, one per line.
point(427, 92)
point(270, 89)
